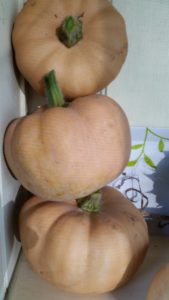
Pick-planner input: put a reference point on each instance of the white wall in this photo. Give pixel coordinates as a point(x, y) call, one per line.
point(142, 87)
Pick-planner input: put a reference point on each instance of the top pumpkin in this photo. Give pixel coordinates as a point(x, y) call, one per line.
point(85, 42)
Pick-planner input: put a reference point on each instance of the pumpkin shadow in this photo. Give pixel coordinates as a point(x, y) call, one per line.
point(33, 98)
point(17, 74)
point(8, 213)
point(160, 189)
point(21, 198)
point(11, 220)
point(16, 70)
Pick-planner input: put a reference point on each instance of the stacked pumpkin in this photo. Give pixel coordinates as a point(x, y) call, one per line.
point(77, 232)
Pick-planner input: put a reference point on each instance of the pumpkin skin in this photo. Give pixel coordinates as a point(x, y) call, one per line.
point(83, 69)
point(69, 152)
point(84, 252)
point(159, 287)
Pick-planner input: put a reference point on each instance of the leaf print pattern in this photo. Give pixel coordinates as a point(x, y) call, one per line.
point(141, 147)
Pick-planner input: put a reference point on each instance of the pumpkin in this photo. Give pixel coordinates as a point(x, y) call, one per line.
point(89, 246)
point(85, 42)
point(68, 152)
point(159, 287)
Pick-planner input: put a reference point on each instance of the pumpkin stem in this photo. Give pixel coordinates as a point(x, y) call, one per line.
point(90, 203)
point(53, 91)
point(70, 31)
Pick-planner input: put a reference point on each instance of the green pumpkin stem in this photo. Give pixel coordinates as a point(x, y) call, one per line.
point(53, 91)
point(90, 203)
point(70, 32)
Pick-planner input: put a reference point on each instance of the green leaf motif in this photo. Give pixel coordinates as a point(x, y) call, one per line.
point(149, 161)
point(135, 147)
point(161, 145)
point(132, 163)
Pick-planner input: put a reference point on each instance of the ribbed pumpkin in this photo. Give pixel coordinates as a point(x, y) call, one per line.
point(68, 152)
point(91, 246)
point(85, 42)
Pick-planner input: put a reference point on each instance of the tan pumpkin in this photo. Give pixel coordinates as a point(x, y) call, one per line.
point(159, 287)
point(89, 248)
point(44, 39)
point(69, 152)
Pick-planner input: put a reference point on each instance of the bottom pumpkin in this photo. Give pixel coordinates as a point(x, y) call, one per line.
point(89, 246)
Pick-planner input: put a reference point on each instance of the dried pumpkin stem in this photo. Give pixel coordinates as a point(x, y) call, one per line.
point(90, 203)
point(53, 91)
point(70, 31)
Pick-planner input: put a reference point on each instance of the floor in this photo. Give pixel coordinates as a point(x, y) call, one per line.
point(27, 285)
